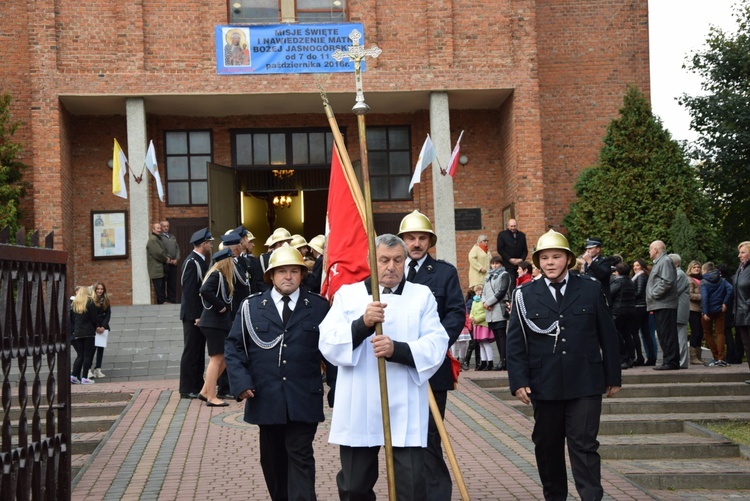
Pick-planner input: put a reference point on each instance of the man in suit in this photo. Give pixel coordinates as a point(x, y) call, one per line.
point(273, 362)
point(511, 244)
point(597, 266)
point(563, 354)
point(442, 279)
point(193, 358)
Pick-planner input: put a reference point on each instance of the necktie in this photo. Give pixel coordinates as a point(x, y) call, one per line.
point(558, 294)
point(286, 311)
point(387, 290)
point(412, 271)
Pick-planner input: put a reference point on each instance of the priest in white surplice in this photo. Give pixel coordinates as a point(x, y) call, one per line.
point(413, 343)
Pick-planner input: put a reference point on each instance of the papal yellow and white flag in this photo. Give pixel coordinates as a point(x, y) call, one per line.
point(153, 168)
point(119, 163)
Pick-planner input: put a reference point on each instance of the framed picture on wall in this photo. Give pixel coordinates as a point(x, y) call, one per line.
point(109, 234)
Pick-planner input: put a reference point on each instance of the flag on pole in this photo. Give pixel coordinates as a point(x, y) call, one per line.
point(153, 168)
point(347, 245)
point(453, 162)
point(119, 161)
point(426, 157)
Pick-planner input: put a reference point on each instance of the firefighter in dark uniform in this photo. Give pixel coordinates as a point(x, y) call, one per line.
point(253, 263)
point(193, 358)
point(279, 237)
point(442, 279)
point(274, 364)
point(563, 354)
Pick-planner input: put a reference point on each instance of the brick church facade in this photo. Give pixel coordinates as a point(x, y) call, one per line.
point(532, 83)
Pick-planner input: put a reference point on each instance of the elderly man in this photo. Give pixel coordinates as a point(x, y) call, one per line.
point(173, 261)
point(413, 344)
point(273, 363)
point(442, 279)
point(662, 299)
point(563, 354)
point(511, 245)
point(156, 262)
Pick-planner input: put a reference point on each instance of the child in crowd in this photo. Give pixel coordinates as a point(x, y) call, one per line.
point(482, 334)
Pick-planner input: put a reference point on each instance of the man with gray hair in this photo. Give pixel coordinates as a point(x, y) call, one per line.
point(413, 343)
point(683, 310)
point(661, 298)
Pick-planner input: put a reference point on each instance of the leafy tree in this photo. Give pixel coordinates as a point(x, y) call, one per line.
point(12, 186)
point(721, 116)
point(637, 188)
point(684, 237)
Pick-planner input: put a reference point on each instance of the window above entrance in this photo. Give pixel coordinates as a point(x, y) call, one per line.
point(389, 155)
point(187, 153)
point(286, 11)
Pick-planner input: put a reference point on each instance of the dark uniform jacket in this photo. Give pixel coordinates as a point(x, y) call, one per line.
point(601, 269)
point(442, 279)
point(193, 270)
point(313, 279)
point(241, 282)
point(285, 388)
point(256, 274)
point(587, 357)
point(213, 303)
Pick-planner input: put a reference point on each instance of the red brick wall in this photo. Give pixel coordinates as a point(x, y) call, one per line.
point(564, 64)
point(589, 52)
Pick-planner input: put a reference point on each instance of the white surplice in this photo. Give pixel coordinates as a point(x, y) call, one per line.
point(410, 317)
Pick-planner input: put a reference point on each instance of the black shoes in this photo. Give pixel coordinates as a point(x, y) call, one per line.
point(223, 404)
point(189, 395)
point(626, 365)
point(665, 368)
point(227, 396)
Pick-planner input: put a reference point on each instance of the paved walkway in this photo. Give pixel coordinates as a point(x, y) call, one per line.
point(168, 448)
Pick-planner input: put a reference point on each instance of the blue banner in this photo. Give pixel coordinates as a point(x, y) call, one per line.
point(284, 48)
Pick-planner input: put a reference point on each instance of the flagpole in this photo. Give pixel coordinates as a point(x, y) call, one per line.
point(357, 53)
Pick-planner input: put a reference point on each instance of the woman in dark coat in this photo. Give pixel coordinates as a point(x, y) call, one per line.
point(85, 318)
point(216, 320)
point(622, 293)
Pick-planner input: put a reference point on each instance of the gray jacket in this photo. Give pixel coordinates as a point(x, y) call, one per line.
point(683, 297)
point(170, 244)
point(495, 293)
point(742, 297)
point(661, 292)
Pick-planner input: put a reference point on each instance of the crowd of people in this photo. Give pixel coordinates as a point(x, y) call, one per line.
point(704, 303)
point(564, 326)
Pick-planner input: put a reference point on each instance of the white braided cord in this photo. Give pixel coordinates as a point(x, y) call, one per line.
point(247, 323)
point(553, 330)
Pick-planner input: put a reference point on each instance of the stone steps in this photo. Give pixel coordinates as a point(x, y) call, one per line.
point(651, 431)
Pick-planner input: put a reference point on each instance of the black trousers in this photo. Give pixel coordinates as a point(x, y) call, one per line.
point(85, 349)
point(744, 334)
point(626, 328)
point(286, 456)
point(501, 337)
point(666, 330)
point(359, 472)
point(193, 361)
point(696, 329)
point(159, 290)
point(576, 421)
point(173, 271)
point(437, 476)
point(99, 357)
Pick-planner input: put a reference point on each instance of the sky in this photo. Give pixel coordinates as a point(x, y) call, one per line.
point(678, 28)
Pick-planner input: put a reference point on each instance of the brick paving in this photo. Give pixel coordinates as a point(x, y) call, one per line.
point(168, 448)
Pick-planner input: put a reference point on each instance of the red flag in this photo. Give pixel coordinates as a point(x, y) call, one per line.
point(347, 245)
point(453, 162)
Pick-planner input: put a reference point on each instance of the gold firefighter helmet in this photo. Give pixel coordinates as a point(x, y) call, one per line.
point(284, 256)
point(318, 243)
point(417, 222)
point(279, 235)
point(298, 241)
point(553, 240)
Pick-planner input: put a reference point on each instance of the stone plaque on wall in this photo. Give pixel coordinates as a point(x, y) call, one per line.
point(468, 219)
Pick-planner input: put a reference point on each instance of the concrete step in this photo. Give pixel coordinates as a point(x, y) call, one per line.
point(86, 443)
point(665, 446)
point(650, 406)
point(676, 474)
point(664, 390)
point(642, 376)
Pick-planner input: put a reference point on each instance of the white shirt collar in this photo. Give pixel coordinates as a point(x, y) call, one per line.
point(419, 263)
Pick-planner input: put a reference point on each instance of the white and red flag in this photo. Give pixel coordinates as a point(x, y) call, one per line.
point(453, 162)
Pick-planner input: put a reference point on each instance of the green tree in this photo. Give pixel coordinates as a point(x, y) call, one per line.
point(721, 117)
point(684, 237)
point(638, 186)
point(12, 186)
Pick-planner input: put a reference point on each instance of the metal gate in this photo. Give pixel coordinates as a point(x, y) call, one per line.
point(34, 346)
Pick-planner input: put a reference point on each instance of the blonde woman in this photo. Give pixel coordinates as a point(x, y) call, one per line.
point(85, 317)
point(216, 320)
